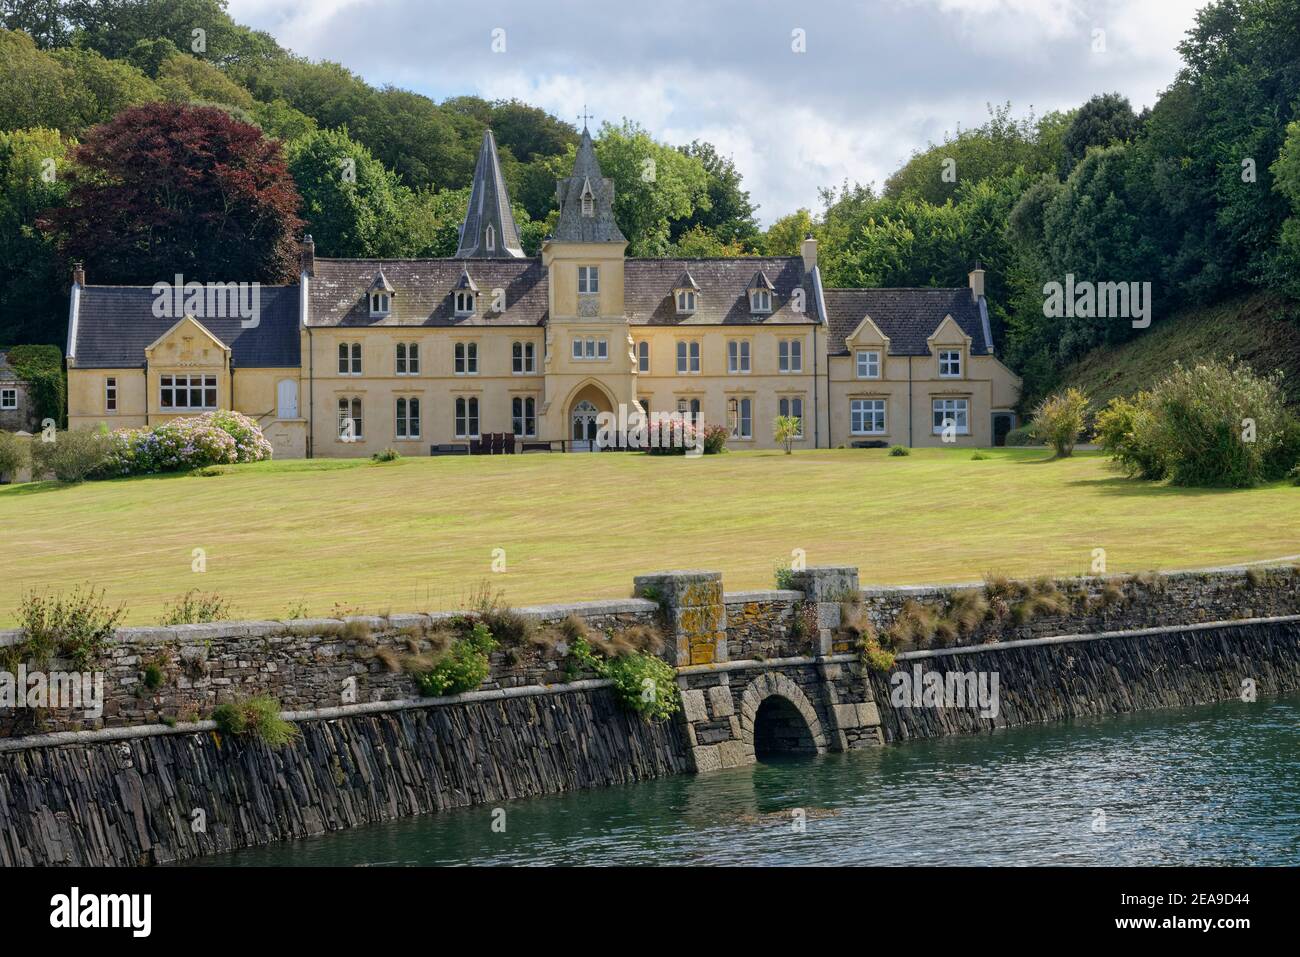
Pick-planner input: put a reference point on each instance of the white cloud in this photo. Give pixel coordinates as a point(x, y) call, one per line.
point(878, 81)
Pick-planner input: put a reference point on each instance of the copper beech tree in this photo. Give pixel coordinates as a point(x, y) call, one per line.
point(169, 188)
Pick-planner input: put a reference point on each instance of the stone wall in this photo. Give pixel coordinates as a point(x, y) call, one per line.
point(140, 801)
point(306, 664)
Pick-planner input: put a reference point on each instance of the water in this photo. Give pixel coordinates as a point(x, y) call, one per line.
point(1217, 784)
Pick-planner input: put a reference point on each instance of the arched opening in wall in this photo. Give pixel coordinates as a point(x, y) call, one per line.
point(779, 728)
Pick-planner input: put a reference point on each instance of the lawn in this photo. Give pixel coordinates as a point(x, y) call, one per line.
point(420, 534)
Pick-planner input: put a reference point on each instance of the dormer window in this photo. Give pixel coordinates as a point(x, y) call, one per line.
point(465, 290)
point(686, 291)
point(588, 199)
point(760, 293)
point(490, 240)
point(380, 295)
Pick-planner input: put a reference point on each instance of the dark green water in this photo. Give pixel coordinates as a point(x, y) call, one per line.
point(1218, 784)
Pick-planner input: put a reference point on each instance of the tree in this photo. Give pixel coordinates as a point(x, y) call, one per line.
point(1286, 180)
point(1105, 119)
point(350, 201)
point(33, 177)
point(167, 188)
point(730, 214)
point(1059, 419)
point(700, 243)
point(783, 237)
point(786, 429)
point(656, 185)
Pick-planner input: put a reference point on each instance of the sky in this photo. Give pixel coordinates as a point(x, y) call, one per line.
point(874, 82)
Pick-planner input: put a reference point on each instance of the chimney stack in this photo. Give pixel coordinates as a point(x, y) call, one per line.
point(977, 282)
point(308, 255)
point(78, 273)
point(808, 249)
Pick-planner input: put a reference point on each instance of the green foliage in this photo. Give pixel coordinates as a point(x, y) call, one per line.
point(899, 451)
point(786, 429)
point(72, 456)
point(1024, 435)
point(875, 657)
point(386, 455)
point(785, 236)
point(463, 667)
point(76, 627)
point(13, 454)
point(1105, 119)
point(195, 607)
point(1060, 418)
point(1125, 431)
point(784, 577)
point(256, 717)
point(1212, 424)
point(41, 367)
point(351, 202)
point(645, 684)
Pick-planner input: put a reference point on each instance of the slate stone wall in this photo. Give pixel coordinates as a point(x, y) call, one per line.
point(137, 801)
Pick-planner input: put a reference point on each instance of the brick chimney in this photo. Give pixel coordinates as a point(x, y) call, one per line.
point(808, 249)
point(78, 273)
point(308, 255)
point(977, 281)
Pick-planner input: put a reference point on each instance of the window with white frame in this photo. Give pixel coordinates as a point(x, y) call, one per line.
point(110, 394)
point(349, 418)
point(467, 417)
point(789, 353)
point(187, 391)
point(8, 399)
point(523, 358)
point(686, 300)
point(590, 349)
point(408, 418)
point(588, 279)
point(407, 360)
point(349, 358)
point(867, 417)
point(760, 300)
point(643, 356)
point(738, 356)
point(466, 358)
point(951, 412)
point(688, 356)
point(950, 363)
point(524, 415)
point(379, 303)
point(689, 407)
point(464, 303)
point(792, 406)
point(740, 413)
point(868, 364)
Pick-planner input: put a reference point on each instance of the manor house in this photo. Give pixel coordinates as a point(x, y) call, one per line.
point(433, 355)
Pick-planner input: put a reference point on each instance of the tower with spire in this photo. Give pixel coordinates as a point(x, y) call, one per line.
point(489, 230)
point(587, 201)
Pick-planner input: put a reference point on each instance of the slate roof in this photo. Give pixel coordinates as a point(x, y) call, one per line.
point(489, 205)
point(907, 316)
point(723, 298)
point(115, 324)
point(573, 227)
point(423, 292)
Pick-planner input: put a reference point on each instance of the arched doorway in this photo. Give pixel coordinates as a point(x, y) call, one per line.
point(779, 728)
point(582, 427)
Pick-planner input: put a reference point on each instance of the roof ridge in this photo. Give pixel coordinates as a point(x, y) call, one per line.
point(896, 288)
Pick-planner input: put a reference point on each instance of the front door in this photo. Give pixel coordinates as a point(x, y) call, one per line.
point(286, 395)
point(583, 431)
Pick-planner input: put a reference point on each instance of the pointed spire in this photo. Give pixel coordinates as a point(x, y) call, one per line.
point(587, 201)
point(489, 229)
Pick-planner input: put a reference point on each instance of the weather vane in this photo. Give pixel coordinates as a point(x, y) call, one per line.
point(585, 116)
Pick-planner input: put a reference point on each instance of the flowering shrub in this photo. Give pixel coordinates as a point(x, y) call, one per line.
point(214, 438)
